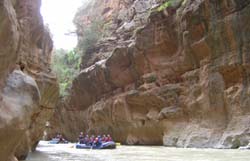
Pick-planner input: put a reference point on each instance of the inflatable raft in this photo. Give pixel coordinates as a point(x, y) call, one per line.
point(57, 141)
point(106, 145)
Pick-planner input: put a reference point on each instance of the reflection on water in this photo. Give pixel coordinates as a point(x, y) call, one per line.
point(46, 152)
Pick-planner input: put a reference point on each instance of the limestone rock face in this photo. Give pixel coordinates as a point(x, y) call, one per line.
point(35, 57)
point(182, 78)
point(29, 94)
point(20, 101)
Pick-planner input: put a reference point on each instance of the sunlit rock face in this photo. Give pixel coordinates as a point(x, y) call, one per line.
point(181, 79)
point(28, 94)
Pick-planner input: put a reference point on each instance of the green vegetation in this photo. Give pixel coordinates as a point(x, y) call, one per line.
point(170, 3)
point(152, 79)
point(165, 5)
point(91, 34)
point(66, 66)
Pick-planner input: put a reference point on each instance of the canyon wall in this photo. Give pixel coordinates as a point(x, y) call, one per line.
point(174, 76)
point(28, 88)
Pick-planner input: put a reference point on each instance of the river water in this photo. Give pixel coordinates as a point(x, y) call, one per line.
point(67, 152)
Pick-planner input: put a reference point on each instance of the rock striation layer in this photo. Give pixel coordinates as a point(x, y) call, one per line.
point(28, 88)
point(179, 78)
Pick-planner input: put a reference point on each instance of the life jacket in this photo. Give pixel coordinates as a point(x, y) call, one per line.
point(104, 139)
point(95, 140)
point(86, 139)
point(109, 139)
point(92, 139)
point(80, 137)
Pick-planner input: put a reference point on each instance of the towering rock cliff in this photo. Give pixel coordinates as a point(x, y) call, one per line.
point(166, 72)
point(28, 89)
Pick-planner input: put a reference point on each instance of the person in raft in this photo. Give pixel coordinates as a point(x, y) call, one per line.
point(104, 138)
point(81, 138)
point(61, 139)
point(91, 140)
point(57, 136)
point(97, 141)
point(109, 138)
point(86, 140)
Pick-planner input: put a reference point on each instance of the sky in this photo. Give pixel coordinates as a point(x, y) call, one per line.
point(59, 14)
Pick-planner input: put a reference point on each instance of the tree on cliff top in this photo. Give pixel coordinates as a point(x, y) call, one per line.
point(88, 36)
point(89, 29)
point(66, 66)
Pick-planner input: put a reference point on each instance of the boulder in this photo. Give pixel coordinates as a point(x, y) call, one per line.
point(20, 102)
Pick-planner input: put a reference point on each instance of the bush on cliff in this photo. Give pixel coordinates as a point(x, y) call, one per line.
point(170, 3)
point(90, 36)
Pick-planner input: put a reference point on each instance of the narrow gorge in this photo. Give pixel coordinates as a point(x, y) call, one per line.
point(152, 72)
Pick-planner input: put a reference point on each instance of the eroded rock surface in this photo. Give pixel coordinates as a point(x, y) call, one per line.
point(27, 94)
point(181, 79)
